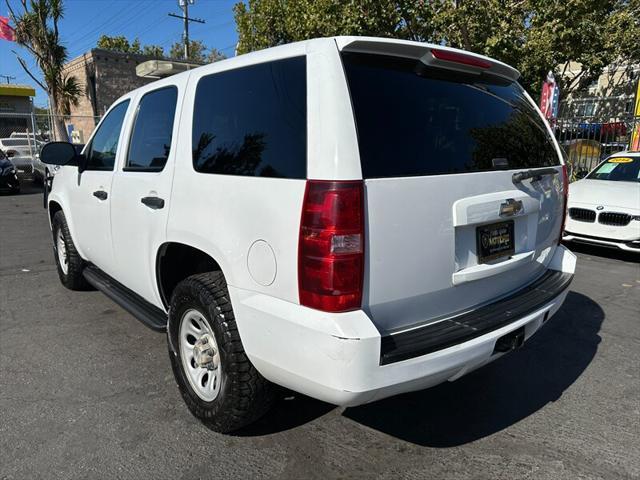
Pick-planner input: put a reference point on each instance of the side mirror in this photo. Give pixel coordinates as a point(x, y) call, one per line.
point(58, 153)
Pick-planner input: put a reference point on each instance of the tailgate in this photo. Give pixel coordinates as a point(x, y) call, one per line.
point(448, 226)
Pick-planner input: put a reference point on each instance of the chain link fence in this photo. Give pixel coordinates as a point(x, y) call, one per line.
point(22, 135)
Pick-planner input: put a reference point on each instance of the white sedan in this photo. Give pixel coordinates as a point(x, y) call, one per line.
point(604, 207)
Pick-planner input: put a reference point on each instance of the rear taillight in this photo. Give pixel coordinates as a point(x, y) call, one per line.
point(331, 246)
point(565, 199)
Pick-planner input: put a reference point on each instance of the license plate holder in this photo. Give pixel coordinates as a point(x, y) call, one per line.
point(494, 241)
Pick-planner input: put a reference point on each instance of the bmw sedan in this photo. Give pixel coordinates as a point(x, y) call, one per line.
point(604, 207)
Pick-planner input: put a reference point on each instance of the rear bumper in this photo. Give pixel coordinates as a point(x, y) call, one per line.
point(339, 358)
point(627, 245)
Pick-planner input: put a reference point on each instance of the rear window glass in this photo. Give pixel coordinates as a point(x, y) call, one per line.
point(413, 120)
point(252, 121)
point(618, 169)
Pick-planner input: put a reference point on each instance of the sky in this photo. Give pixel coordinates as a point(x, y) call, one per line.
point(85, 20)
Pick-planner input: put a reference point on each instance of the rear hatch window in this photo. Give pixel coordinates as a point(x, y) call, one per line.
point(413, 120)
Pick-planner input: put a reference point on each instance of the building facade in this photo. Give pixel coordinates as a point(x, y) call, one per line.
point(16, 106)
point(104, 76)
point(610, 97)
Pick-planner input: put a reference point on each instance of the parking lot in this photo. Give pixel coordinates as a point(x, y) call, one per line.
point(86, 391)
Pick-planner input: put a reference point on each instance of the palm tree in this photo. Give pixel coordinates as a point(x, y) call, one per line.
point(36, 29)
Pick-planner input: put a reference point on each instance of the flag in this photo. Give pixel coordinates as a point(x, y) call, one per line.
point(635, 136)
point(548, 95)
point(549, 98)
point(6, 32)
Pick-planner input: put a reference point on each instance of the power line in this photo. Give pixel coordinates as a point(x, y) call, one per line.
point(128, 10)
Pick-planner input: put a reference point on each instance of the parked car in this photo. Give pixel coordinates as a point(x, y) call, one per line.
point(20, 152)
point(350, 218)
point(25, 135)
point(8, 177)
point(604, 207)
point(41, 171)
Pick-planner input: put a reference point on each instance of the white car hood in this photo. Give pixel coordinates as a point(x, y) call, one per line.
point(605, 192)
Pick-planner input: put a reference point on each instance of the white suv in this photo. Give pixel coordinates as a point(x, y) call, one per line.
point(350, 218)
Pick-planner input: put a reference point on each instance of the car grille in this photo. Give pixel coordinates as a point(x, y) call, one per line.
point(582, 215)
point(616, 219)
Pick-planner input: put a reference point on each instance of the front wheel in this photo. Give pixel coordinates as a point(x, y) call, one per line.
point(216, 379)
point(68, 261)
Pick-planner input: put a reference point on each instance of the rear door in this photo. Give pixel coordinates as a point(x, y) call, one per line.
point(142, 190)
point(447, 226)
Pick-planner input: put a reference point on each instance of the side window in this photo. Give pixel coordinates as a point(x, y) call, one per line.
point(101, 154)
point(252, 121)
point(151, 137)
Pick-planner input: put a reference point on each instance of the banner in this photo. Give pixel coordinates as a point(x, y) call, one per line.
point(6, 32)
point(550, 97)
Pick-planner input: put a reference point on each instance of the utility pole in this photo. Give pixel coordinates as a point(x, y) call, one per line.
point(184, 5)
point(8, 77)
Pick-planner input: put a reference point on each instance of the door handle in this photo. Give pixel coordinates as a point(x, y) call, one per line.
point(100, 194)
point(153, 202)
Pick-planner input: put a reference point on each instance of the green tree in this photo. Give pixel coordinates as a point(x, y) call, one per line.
point(196, 51)
point(153, 51)
point(36, 27)
point(535, 36)
point(121, 44)
point(215, 55)
point(117, 44)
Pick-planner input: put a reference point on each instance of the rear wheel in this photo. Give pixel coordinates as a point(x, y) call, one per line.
point(216, 379)
point(70, 264)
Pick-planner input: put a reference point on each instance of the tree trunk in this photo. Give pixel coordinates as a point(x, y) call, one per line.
point(58, 128)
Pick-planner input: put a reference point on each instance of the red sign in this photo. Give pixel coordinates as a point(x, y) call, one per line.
point(6, 32)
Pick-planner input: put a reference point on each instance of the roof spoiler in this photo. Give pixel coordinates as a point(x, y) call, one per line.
point(431, 55)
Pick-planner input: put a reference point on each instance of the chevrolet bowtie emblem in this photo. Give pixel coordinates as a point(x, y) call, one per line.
point(511, 207)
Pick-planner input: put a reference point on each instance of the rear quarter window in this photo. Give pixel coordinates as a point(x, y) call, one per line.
point(252, 121)
point(413, 120)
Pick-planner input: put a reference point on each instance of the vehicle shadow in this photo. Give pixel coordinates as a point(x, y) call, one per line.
point(500, 394)
point(27, 187)
point(291, 410)
point(479, 404)
point(604, 252)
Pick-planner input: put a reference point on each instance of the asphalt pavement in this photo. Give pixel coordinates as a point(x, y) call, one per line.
point(86, 391)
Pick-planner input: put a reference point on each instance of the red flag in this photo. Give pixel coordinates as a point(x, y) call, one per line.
point(6, 32)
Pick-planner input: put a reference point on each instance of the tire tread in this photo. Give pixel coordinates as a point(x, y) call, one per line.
point(248, 395)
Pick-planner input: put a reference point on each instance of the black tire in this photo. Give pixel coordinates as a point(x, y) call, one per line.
point(73, 278)
point(244, 394)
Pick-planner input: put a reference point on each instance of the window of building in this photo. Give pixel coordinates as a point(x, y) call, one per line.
point(586, 109)
point(152, 131)
point(104, 145)
point(252, 121)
